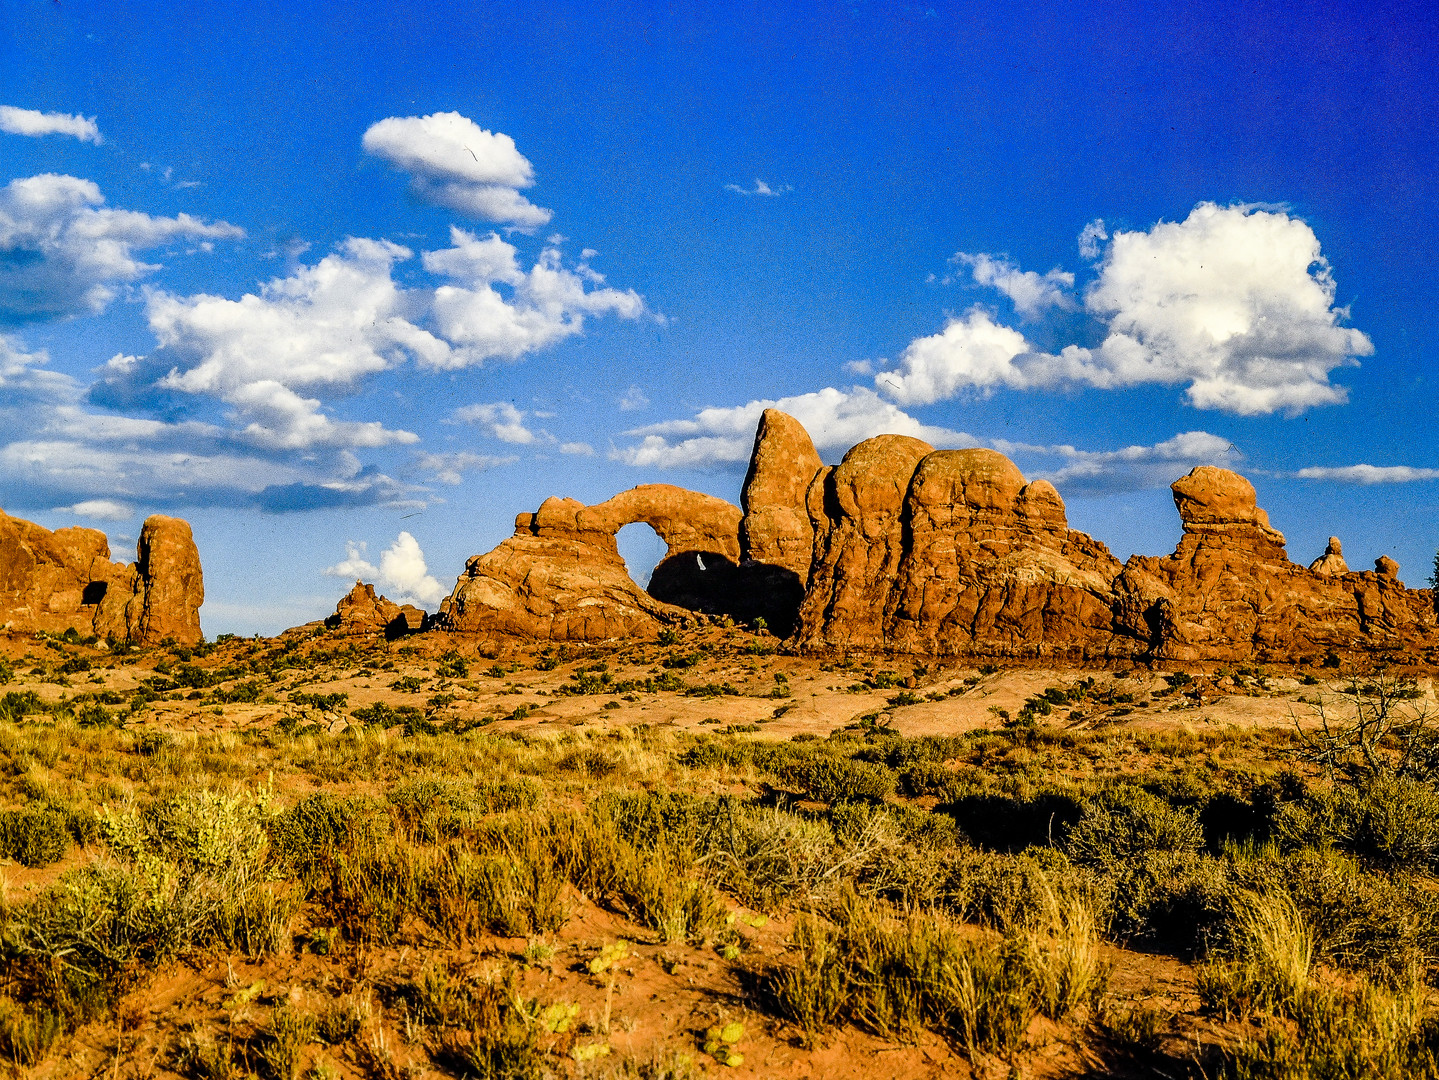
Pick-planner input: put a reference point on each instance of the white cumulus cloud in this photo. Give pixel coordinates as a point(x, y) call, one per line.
point(1030, 292)
point(459, 165)
point(546, 304)
point(34, 122)
point(970, 352)
point(1235, 304)
point(402, 570)
point(64, 253)
point(835, 420)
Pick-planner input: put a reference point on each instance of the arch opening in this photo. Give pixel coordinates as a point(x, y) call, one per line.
point(642, 550)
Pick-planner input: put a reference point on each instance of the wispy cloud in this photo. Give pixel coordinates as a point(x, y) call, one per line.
point(760, 188)
point(33, 122)
point(1367, 474)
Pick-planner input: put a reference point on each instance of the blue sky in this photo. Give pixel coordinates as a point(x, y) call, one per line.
point(349, 286)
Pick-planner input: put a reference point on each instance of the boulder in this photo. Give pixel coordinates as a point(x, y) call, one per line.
point(560, 577)
point(55, 581)
point(1332, 561)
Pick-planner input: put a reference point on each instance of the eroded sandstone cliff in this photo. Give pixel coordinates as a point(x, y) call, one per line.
point(904, 548)
point(951, 552)
point(1229, 591)
point(58, 580)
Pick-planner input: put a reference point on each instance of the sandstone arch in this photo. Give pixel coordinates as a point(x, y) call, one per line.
point(560, 576)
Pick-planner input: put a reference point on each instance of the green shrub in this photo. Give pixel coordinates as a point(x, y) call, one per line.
point(1373, 1033)
point(1174, 900)
point(314, 830)
point(1391, 821)
point(834, 779)
point(1125, 822)
point(34, 836)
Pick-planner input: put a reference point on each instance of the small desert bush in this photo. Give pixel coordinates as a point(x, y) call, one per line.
point(281, 1041)
point(489, 1033)
point(1175, 901)
point(314, 829)
point(836, 779)
point(512, 891)
point(1127, 822)
point(35, 836)
point(901, 977)
point(1389, 821)
point(27, 1032)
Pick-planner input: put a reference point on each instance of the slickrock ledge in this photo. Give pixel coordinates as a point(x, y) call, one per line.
point(55, 581)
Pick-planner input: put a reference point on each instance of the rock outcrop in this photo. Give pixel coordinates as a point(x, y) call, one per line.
point(951, 552)
point(560, 577)
point(57, 580)
point(360, 612)
point(776, 528)
point(904, 548)
point(1332, 561)
point(776, 535)
point(1229, 591)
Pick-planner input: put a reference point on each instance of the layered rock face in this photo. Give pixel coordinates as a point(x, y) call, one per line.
point(1229, 592)
point(560, 577)
point(951, 552)
point(57, 580)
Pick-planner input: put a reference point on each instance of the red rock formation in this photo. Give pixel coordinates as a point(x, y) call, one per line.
point(776, 529)
point(361, 612)
point(560, 577)
point(951, 552)
point(1332, 561)
point(1229, 592)
point(58, 580)
point(859, 542)
point(172, 587)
